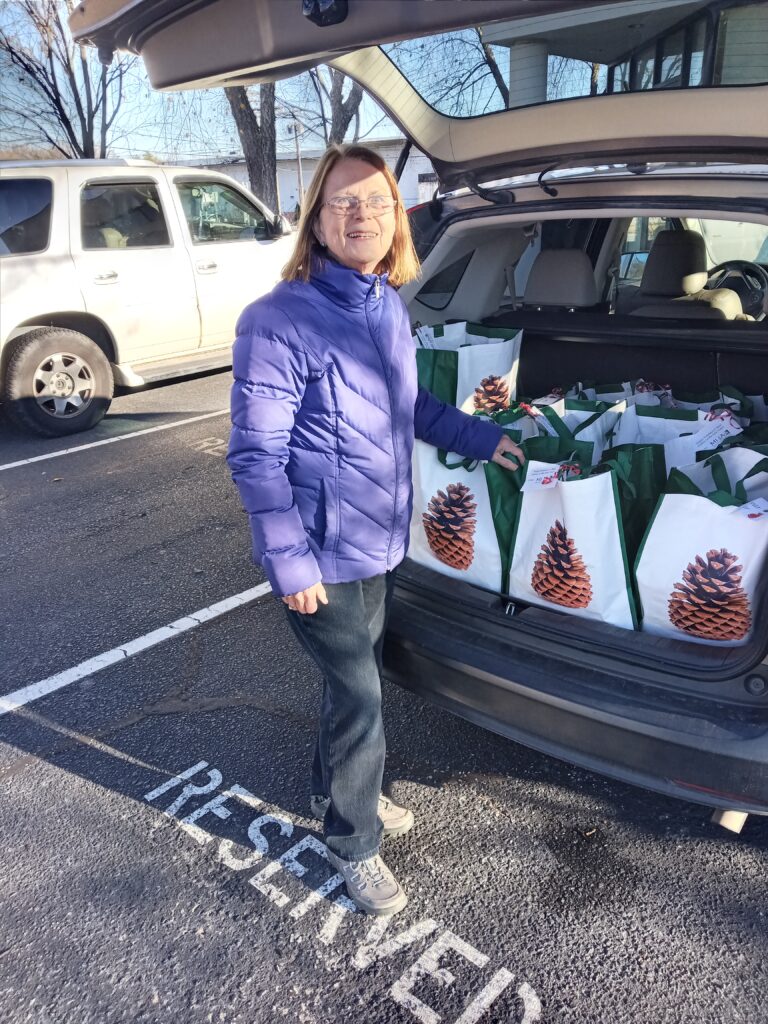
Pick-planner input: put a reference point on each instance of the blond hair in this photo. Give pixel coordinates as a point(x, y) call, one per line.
point(401, 262)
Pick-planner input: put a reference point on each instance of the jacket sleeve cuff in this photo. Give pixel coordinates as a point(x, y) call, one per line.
point(291, 573)
point(486, 437)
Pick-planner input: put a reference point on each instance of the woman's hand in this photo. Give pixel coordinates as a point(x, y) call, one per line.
point(506, 446)
point(306, 600)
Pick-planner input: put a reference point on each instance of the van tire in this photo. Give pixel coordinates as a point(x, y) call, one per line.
point(37, 389)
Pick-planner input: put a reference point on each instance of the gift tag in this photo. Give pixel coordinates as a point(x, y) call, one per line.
point(713, 437)
point(425, 337)
point(540, 476)
point(755, 509)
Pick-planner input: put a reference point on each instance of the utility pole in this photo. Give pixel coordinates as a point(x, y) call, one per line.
point(295, 128)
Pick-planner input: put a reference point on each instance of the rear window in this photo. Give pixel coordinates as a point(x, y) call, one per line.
point(121, 216)
point(438, 291)
point(608, 48)
point(25, 215)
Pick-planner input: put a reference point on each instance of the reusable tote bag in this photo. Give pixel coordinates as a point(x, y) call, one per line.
point(568, 548)
point(680, 433)
point(469, 365)
point(704, 554)
point(578, 420)
point(724, 398)
point(452, 528)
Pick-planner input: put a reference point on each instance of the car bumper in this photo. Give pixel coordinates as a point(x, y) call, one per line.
point(594, 717)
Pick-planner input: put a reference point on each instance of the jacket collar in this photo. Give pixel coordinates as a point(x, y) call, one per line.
point(343, 285)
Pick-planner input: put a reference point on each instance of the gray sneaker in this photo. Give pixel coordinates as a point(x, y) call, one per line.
point(396, 820)
point(371, 885)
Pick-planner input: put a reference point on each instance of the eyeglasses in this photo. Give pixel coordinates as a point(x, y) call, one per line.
point(343, 205)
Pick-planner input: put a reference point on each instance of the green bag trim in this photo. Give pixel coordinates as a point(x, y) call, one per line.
point(504, 499)
point(641, 474)
point(658, 412)
point(628, 579)
point(696, 397)
point(502, 333)
point(438, 372)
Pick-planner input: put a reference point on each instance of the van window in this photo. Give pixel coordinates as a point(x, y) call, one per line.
point(25, 215)
point(122, 215)
point(217, 213)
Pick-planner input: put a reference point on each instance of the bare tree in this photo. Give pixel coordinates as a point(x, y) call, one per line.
point(325, 103)
point(257, 137)
point(55, 94)
point(336, 110)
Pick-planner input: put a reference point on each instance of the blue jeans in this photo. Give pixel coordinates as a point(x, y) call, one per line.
point(345, 638)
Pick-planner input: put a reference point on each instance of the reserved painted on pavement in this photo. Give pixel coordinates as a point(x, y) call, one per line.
point(272, 880)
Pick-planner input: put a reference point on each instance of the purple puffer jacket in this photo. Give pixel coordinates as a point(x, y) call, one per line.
point(325, 406)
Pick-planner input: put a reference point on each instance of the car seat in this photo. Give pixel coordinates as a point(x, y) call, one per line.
point(674, 279)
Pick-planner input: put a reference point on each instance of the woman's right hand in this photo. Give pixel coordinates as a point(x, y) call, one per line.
point(306, 601)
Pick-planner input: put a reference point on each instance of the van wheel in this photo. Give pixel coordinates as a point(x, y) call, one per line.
point(57, 382)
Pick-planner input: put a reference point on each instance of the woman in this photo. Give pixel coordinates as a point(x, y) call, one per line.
point(325, 407)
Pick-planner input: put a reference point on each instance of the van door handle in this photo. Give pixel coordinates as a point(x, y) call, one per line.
point(111, 275)
point(207, 268)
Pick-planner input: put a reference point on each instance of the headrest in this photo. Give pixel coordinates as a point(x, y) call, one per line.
point(676, 264)
point(561, 277)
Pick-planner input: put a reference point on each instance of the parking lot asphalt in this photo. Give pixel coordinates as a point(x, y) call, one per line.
point(158, 863)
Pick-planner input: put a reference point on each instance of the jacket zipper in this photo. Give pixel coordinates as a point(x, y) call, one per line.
point(377, 293)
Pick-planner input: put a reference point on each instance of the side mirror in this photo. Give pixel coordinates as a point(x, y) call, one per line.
point(281, 226)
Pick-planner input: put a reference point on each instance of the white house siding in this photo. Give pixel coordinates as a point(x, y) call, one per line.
point(412, 190)
point(743, 46)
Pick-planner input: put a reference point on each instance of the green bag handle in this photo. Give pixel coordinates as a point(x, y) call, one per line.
point(559, 427)
point(719, 474)
point(722, 481)
point(745, 405)
point(679, 483)
point(621, 464)
point(740, 490)
point(546, 448)
point(469, 464)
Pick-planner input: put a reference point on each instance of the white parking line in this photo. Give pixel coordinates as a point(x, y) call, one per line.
point(17, 699)
point(111, 440)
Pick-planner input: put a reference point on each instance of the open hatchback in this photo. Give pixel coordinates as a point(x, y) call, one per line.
point(600, 184)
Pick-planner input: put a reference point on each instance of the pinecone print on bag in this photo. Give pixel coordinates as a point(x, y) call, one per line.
point(711, 603)
point(492, 395)
point(559, 574)
point(449, 524)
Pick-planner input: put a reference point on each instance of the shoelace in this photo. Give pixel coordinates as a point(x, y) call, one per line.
point(367, 872)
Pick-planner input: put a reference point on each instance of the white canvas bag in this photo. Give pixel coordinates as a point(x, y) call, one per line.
point(699, 568)
point(681, 432)
point(568, 550)
point(452, 527)
point(487, 363)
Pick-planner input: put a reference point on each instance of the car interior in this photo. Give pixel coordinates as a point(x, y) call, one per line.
point(690, 314)
point(587, 314)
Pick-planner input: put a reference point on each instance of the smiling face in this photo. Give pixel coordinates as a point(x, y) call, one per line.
point(358, 239)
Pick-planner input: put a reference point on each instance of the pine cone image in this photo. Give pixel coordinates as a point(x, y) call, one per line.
point(711, 603)
point(492, 395)
point(559, 573)
point(449, 524)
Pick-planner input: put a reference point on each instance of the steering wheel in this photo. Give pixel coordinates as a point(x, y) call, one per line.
point(749, 281)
